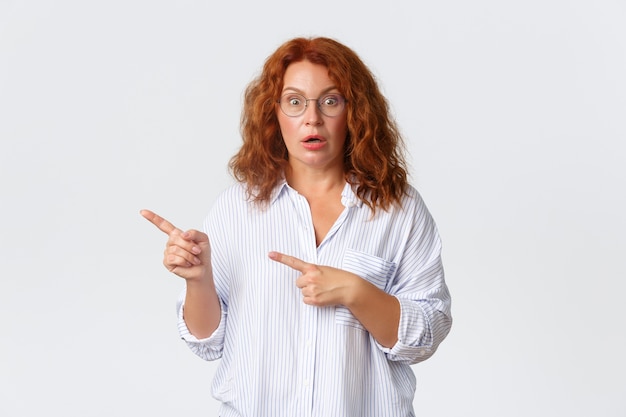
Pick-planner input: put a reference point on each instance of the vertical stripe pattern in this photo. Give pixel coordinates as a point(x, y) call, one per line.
point(281, 357)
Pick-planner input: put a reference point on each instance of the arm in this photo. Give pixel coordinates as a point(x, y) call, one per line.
point(378, 311)
point(202, 310)
point(188, 255)
point(425, 318)
point(407, 310)
point(419, 284)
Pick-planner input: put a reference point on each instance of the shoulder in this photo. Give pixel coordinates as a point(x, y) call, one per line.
point(237, 199)
point(233, 194)
point(421, 217)
point(413, 209)
point(411, 193)
point(239, 193)
point(229, 201)
point(412, 200)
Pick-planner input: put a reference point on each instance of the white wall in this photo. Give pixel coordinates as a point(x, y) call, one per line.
point(515, 114)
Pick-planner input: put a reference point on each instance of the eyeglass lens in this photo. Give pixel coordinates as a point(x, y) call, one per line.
point(295, 104)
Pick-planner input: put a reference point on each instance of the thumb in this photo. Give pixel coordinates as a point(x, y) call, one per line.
point(196, 235)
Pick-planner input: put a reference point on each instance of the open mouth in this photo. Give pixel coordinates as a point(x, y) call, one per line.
point(313, 140)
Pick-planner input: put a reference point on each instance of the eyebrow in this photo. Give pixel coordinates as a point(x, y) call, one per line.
point(297, 90)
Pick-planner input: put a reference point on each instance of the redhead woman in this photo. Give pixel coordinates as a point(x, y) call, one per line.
point(317, 279)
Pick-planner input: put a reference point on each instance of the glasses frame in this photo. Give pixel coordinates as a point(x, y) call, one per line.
point(318, 101)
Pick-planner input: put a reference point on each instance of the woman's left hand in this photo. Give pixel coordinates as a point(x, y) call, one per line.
point(320, 285)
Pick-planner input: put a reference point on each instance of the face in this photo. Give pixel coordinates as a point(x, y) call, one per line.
point(313, 139)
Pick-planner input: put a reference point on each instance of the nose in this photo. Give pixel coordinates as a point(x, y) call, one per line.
point(312, 114)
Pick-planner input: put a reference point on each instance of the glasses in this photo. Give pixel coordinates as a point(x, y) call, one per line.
point(330, 105)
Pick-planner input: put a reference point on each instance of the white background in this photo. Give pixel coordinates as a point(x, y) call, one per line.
point(515, 116)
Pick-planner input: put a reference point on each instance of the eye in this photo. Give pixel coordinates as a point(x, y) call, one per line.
point(331, 100)
point(294, 100)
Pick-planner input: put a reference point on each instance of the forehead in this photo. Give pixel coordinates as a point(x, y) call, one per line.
point(307, 77)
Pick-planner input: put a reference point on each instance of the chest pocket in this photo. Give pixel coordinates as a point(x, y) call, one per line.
point(376, 270)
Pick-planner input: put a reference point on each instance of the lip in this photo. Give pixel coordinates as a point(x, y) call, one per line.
point(313, 146)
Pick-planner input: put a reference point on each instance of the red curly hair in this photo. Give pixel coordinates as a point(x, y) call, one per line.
point(374, 154)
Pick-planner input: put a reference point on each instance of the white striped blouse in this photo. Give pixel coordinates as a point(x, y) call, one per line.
point(283, 358)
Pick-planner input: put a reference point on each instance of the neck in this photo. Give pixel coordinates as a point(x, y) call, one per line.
point(314, 182)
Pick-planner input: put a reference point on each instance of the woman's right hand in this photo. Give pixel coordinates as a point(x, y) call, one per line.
point(187, 254)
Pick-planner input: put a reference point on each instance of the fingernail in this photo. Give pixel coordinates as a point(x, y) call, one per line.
point(196, 261)
point(196, 250)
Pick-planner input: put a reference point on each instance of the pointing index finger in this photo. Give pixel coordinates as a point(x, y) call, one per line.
point(290, 261)
point(163, 225)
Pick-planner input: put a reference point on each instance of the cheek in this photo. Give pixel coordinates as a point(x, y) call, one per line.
point(288, 129)
point(285, 124)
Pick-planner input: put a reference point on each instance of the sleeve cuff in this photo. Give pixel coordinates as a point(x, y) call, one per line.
point(208, 348)
point(415, 341)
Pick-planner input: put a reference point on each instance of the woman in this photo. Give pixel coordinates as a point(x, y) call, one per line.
point(322, 282)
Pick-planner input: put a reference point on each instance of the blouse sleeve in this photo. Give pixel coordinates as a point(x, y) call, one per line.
point(419, 285)
point(211, 348)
